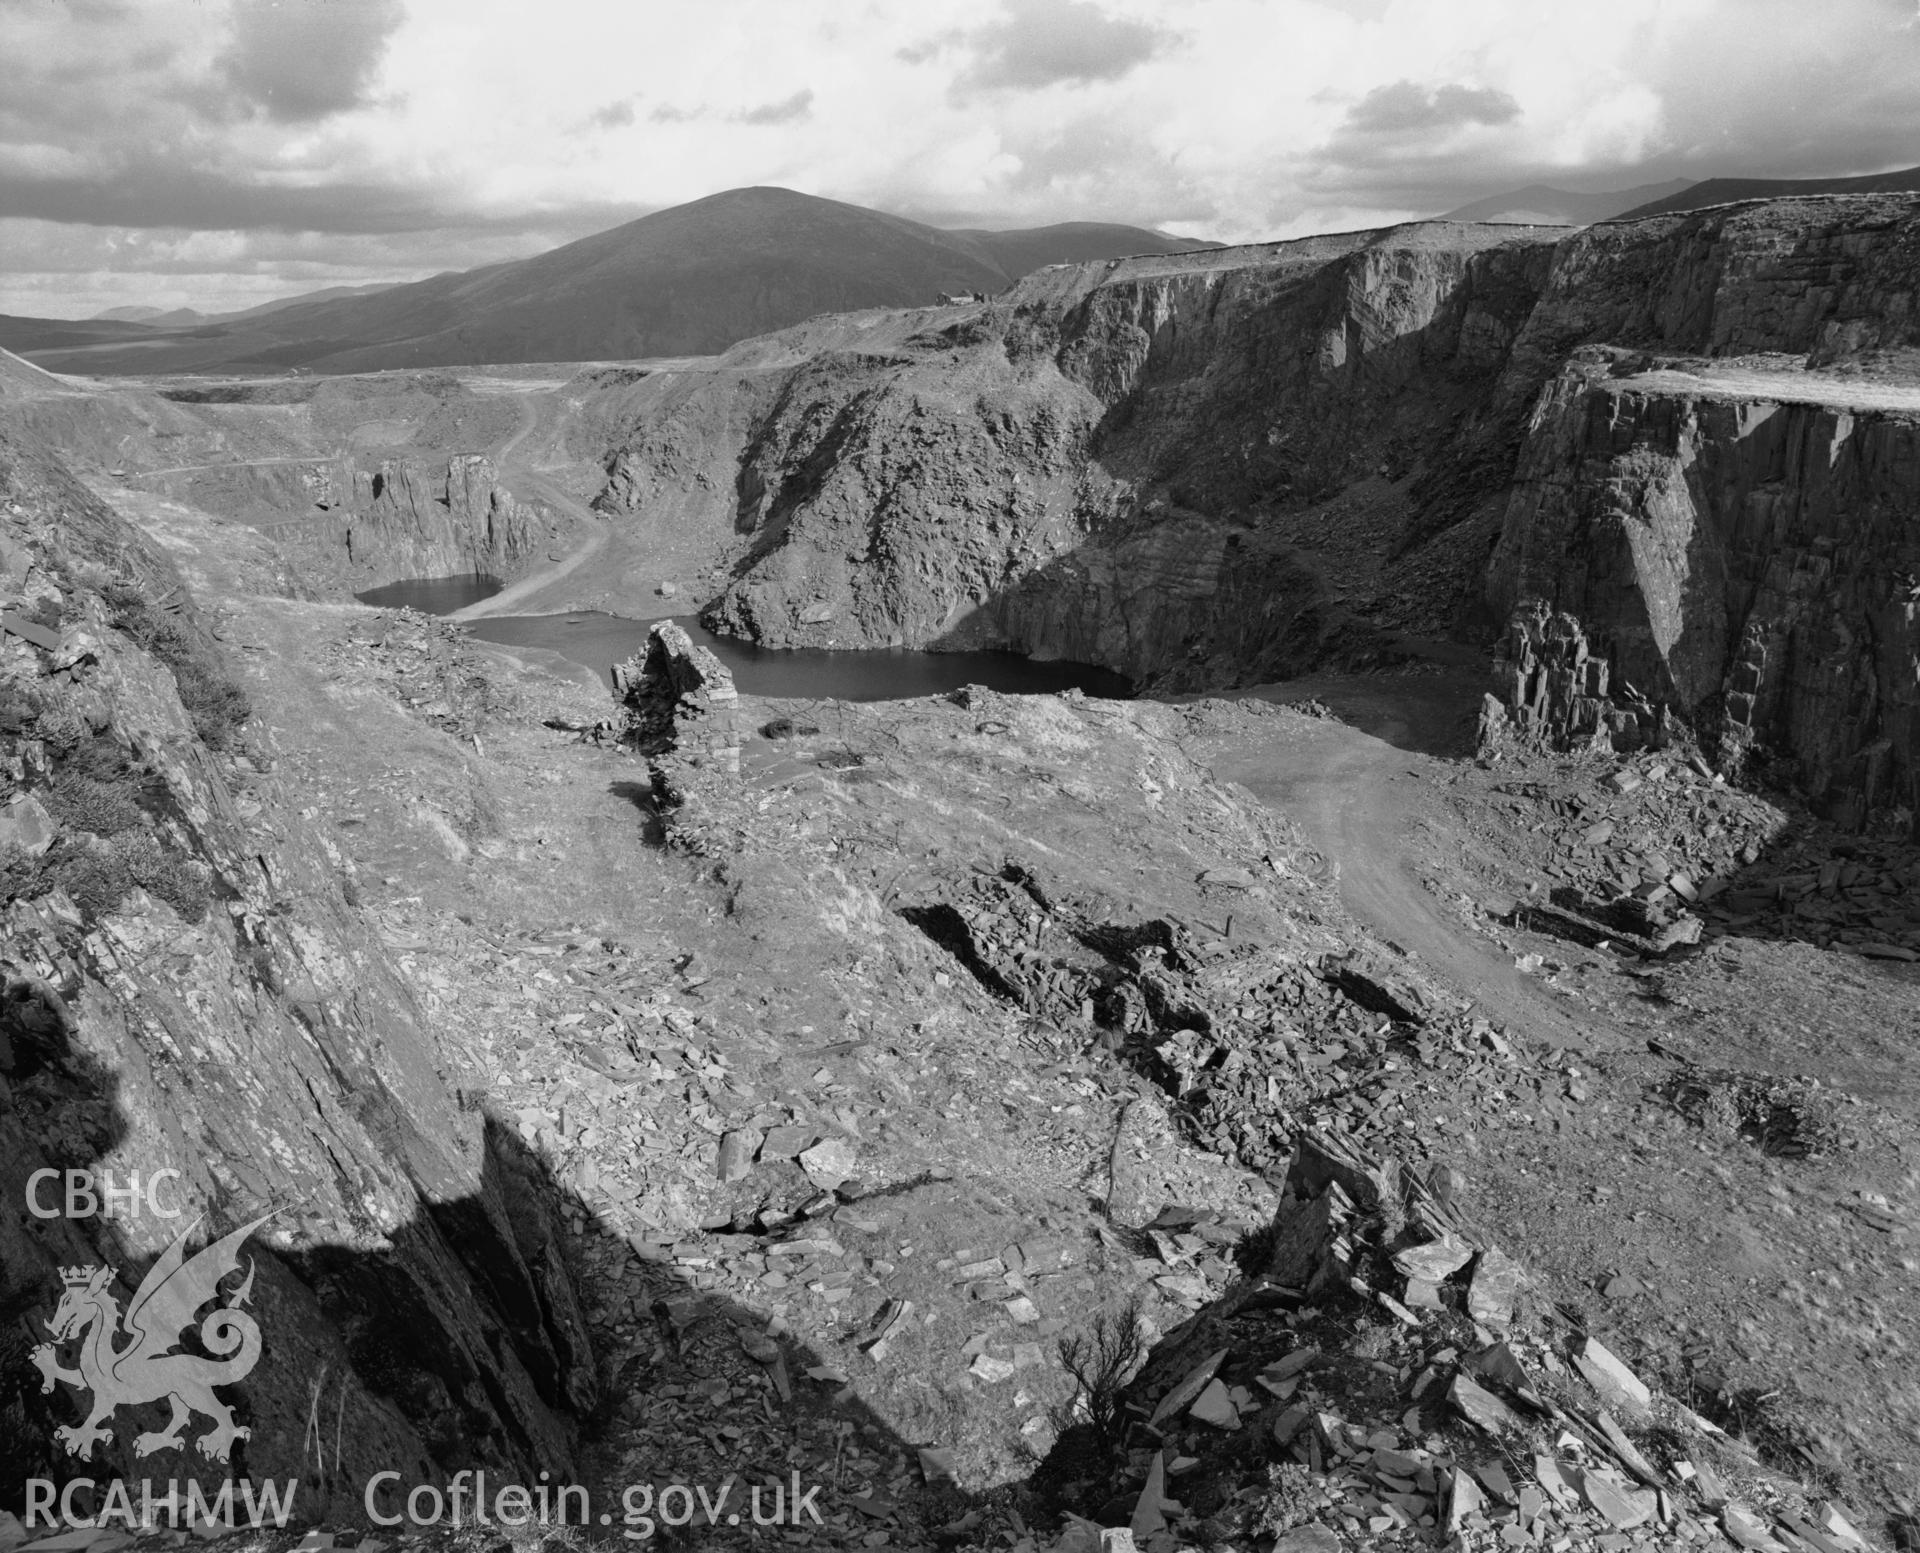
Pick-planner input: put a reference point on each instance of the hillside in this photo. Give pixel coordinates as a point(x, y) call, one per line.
point(1544, 205)
point(1724, 191)
point(690, 280)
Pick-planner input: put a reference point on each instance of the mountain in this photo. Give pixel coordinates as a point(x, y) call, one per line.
point(1724, 191)
point(1543, 205)
point(686, 281)
point(692, 280)
point(1072, 242)
point(135, 314)
point(326, 294)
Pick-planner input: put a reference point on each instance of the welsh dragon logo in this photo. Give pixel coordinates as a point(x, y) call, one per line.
point(143, 1369)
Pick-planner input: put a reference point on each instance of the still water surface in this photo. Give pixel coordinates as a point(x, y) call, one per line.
point(880, 674)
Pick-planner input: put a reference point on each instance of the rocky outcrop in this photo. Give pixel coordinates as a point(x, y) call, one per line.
point(186, 987)
point(1746, 553)
point(682, 709)
point(1071, 472)
point(410, 521)
point(1554, 690)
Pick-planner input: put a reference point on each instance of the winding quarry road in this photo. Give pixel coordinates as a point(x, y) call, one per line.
point(1363, 796)
point(542, 590)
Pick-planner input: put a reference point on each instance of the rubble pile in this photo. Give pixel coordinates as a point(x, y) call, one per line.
point(1556, 691)
point(1252, 1040)
point(1657, 852)
point(424, 662)
point(1417, 1392)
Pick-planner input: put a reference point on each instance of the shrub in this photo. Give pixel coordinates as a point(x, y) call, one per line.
point(88, 804)
point(1101, 1363)
point(95, 876)
point(99, 875)
point(165, 875)
point(61, 728)
point(215, 702)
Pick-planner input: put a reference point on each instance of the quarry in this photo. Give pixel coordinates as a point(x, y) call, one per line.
point(1408, 1043)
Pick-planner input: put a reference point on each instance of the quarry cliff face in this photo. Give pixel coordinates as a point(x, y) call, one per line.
point(1750, 561)
point(1071, 471)
point(1217, 468)
point(187, 988)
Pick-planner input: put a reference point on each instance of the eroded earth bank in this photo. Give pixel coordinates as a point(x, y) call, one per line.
point(1348, 1112)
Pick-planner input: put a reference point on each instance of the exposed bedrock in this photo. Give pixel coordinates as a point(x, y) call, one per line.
point(185, 985)
point(1130, 420)
point(403, 518)
point(1753, 562)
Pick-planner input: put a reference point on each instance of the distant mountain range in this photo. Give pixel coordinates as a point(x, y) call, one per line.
point(1724, 191)
point(690, 280)
point(1541, 204)
point(186, 317)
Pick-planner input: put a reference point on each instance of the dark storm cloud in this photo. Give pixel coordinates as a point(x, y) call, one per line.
point(1039, 43)
point(301, 60)
point(798, 106)
point(1403, 107)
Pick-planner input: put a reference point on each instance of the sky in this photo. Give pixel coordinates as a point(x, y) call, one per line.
point(220, 153)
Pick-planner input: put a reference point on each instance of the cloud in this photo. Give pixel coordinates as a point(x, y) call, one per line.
point(613, 115)
point(164, 193)
point(299, 61)
point(397, 135)
point(1404, 107)
point(798, 106)
point(1043, 43)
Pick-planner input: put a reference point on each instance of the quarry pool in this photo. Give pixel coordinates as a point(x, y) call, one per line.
point(882, 674)
point(433, 595)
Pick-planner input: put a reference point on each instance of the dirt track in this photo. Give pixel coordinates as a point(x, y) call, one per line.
point(1360, 793)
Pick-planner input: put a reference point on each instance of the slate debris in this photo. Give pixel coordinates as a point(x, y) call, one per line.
point(1431, 1434)
point(1250, 1041)
point(1663, 852)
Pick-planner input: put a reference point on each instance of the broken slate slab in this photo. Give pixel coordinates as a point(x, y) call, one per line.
point(1148, 1517)
point(991, 1370)
point(786, 1142)
point(1495, 1285)
point(1182, 1395)
point(737, 1149)
point(25, 824)
point(1627, 1451)
point(1435, 1261)
point(1745, 1529)
point(1611, 1377)
point(828, 1164)
point(1290, 1423)
point(1621, 1507)
point(1481, 1406)
point(1463, 1499)
point(1214, 1406)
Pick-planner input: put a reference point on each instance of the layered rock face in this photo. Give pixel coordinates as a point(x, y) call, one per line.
point(1077, 473)
point(410, 521)
point(1749, 561)
point(185, 987)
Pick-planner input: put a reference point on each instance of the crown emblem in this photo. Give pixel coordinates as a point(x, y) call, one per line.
point(80, 1277)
